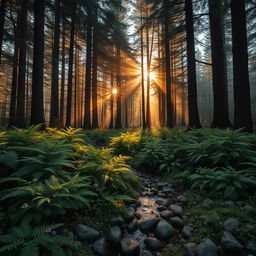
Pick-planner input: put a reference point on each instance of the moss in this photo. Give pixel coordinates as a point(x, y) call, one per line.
point(175, 250)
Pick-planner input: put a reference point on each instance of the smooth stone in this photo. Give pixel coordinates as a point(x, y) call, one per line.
point(161, 201)
point(207, 203)
point(164, 230)
point(251, 246)
point(161, 208)
point(168, 191)
point(114, 235)
point(99, 246)
point(176, 209)
point(161, 184)
point(146, 253)
point(228, 203)
point(86, 233)
point(177, 222)
point(166, 214)
point(190, 249)
point(117, 221)
point(182, 199)
point(153, 244)
point(133, 225)
point(206, 248)
point(130, 215)
point(231, 224)
point(148, 224)
point(130, 247)
point(229, 242)
point(186, 232)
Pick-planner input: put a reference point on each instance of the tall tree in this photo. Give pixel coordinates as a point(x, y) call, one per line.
point(70, 65)
point(242, 97)
point(219, 69)
point(37, 105)
point(54, 115)
point(194, 121)
point(2, 19)
point(118, 82)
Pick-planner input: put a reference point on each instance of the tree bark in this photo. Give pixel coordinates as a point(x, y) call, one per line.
point(2, 19)
point(242, 98)
point(54, 115)
point(194, 121)
point(118, 80)
point(219, 69)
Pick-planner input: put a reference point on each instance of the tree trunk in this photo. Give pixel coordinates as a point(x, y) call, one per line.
point(169, 113)
point(87, 116)
point(194, 121)
point(22, 37)
point(2, 19)
point(219, 69)
point(111, 124)
point(54, 116)
point(70, 67)
point(118, 81)
point(242, 99)
point(37, 105)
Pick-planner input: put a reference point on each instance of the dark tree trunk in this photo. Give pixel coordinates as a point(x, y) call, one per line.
point(37, 105)
point(12, 113)
point(70, 67)
point(2, 19)
point(242, 99)
point(22, 37)
point(54, 116)
point(95, 123)
point(169, 109)
point(87, 115)
point(118, 80)
point(219, 69)
point(63, 73)
point(111, 124)
point(194, 121)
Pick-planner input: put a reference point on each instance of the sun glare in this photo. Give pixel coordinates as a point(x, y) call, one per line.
point(114, 91)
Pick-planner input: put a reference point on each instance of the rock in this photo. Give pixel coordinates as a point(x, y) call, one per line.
point(114, 235)
point(176, 209)
point(207, 203)
point(166, 214)
point(228, 204)
point(229, 242)
point(161, 184)
point(117, 221)
point(86, 233)
point(231, 224)
point(133, 225)
point(99, 246)
point(153, 244)
point(148, 224)
point(146, 253)
point(161, 201)
point(130, 215)
point(249, 209)
point(206, 248)
point(186, 232)
point(190, 249)
point(177, 222)
point(164, 230)
point(168, 191)
point(161, 208)
point(182, 199)
point(130, 247)
point(251, 246)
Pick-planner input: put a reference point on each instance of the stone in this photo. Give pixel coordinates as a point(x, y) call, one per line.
point(130, 215)
point(161, 201)
point(117, 221)
point(146, 253)
point(99, 246)
point(186, 232)
point(161, 208)
point(168, 191)
point(130, 247)
point(190, 249)
point(86, 233)
point(153, 244)
point(231, 224)
point(206, 248)
point(133, 225)
point(164, 230)
point(166, 214)
point(182, 199)
point(177, 222)
point(249, 209)
point(148, 224)
point(161, 184)
point(207, 203)
point(229, 242)
point(114, 235)
point(228, 203)
point(251, 246)
point(176, 209)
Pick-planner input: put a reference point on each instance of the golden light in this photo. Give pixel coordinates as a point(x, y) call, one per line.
point(114, 91)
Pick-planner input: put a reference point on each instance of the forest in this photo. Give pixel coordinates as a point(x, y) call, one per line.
point(127, 127)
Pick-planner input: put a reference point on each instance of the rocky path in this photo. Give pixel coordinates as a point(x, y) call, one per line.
point(153, 223)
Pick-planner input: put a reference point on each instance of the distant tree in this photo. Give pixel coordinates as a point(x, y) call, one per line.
point(2, 20)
